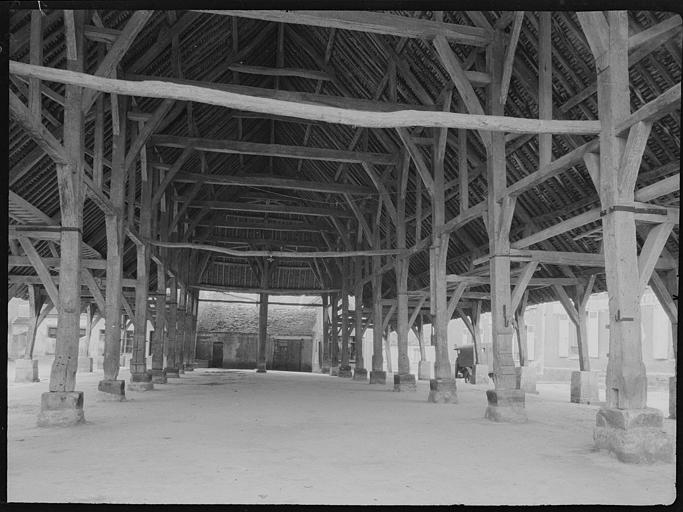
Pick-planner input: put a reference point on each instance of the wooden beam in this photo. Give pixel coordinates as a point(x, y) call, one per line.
point(510, 56)
point(462, 83)
point(278, 254)
point(269, 291)
point(465, 217)
point(33, 127)
point(149, 127)
point(267, 71)
point(522, 283)
point(592, 215)
point(319, 112)
point(667, 102)
point(118, 49)
point(170, 175)
point(418, 159)
point(661, 188)
point(24, 261)
point(649, 254)
point(545, 85)
point(280, 150)
point(273, 182)
point(45, 278)
point(633, 155)
point(455, 298)
point(90, 282)
point(36, 58)
point(596, 30)
point(374, 22)
point(270, 208)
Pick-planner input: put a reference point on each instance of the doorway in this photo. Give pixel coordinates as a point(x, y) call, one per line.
point(287, 355)
point(217, 355)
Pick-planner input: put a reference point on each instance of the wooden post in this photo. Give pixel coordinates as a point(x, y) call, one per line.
point(172, 339)
point(159, 346)
point(334, 348)
point(404, 381)
point(62, 404)
point(377, 374)
point(26, 369)
point(442, 386)
point(326, 334)
point(115, 241)
point(359, 373)
point(387, 349)
point(180, 314)
point(263, 319)
point(189, 331)
point(520, 327)
point(345, 367)
point(625, 425)
point(506, 402)
point(141, 379)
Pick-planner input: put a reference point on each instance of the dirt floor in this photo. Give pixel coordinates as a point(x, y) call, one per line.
point(235, 436)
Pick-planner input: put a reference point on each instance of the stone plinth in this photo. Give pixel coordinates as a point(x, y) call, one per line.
point(189, 367)
point(505, 405)
point(584, 387)
point(181, 369)
point(85, 364)
point(26, 370)
point(425, 369)
point(633, 435)
point(672, 397)
point(112, 390)
point(405, 383)
point(140, 382)
point(345, 372)
point(526, 378)
point(360, 374)
point(378, 377)
point(443, 391)
point(480, 374)
point(61, 409)
point(99, 363)
point(201, 363)
point(334, 371)
point(172, 373)
point(159, 376)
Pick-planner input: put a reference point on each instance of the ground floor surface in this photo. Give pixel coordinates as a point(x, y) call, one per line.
point(235, 436)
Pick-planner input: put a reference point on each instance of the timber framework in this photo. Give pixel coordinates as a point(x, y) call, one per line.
point(431, 164)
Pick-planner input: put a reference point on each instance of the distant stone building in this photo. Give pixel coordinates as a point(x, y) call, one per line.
point(227, 334)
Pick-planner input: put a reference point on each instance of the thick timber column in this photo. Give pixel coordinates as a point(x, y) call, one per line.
point(403, 379)
point(377, 373)
point(326, 334)
point(180, 314)
point(172, 337)
point(334, 347)
point(665, 287)
point(263, 320)
point(26, 369)
point(359, 371)
point(442, 388)
point(506, 401)
point(344, 366)
point(110, 387)
point(526, 376)
point(62, 405)
point(140, 378)
point(625, 426)
point(480, 372)
point(424, 368)
point(85, 362)
point(189, 331)
point(159, 341)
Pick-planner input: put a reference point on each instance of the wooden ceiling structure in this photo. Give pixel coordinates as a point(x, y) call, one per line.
point(405, 157)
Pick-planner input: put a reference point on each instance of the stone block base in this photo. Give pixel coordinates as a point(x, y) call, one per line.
point(181, 370)
point(480, 374)
point(505, 405)
point(405, 383)
point(172, 373)
point(201, 363)
point(159, 376)
point(61, 409)
point(189, 367)
point(425, 370)
point(360, 374)
point(99, 363)
point(345, 372)
point(443, 391)
point(26, 370)
point(633, 435)
point(378, 377)
point(140, 386)
point(526, 379)
point(584, 387)
point(334, 371)
point(112, 390)
point(672, 397)
point(85, 365)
